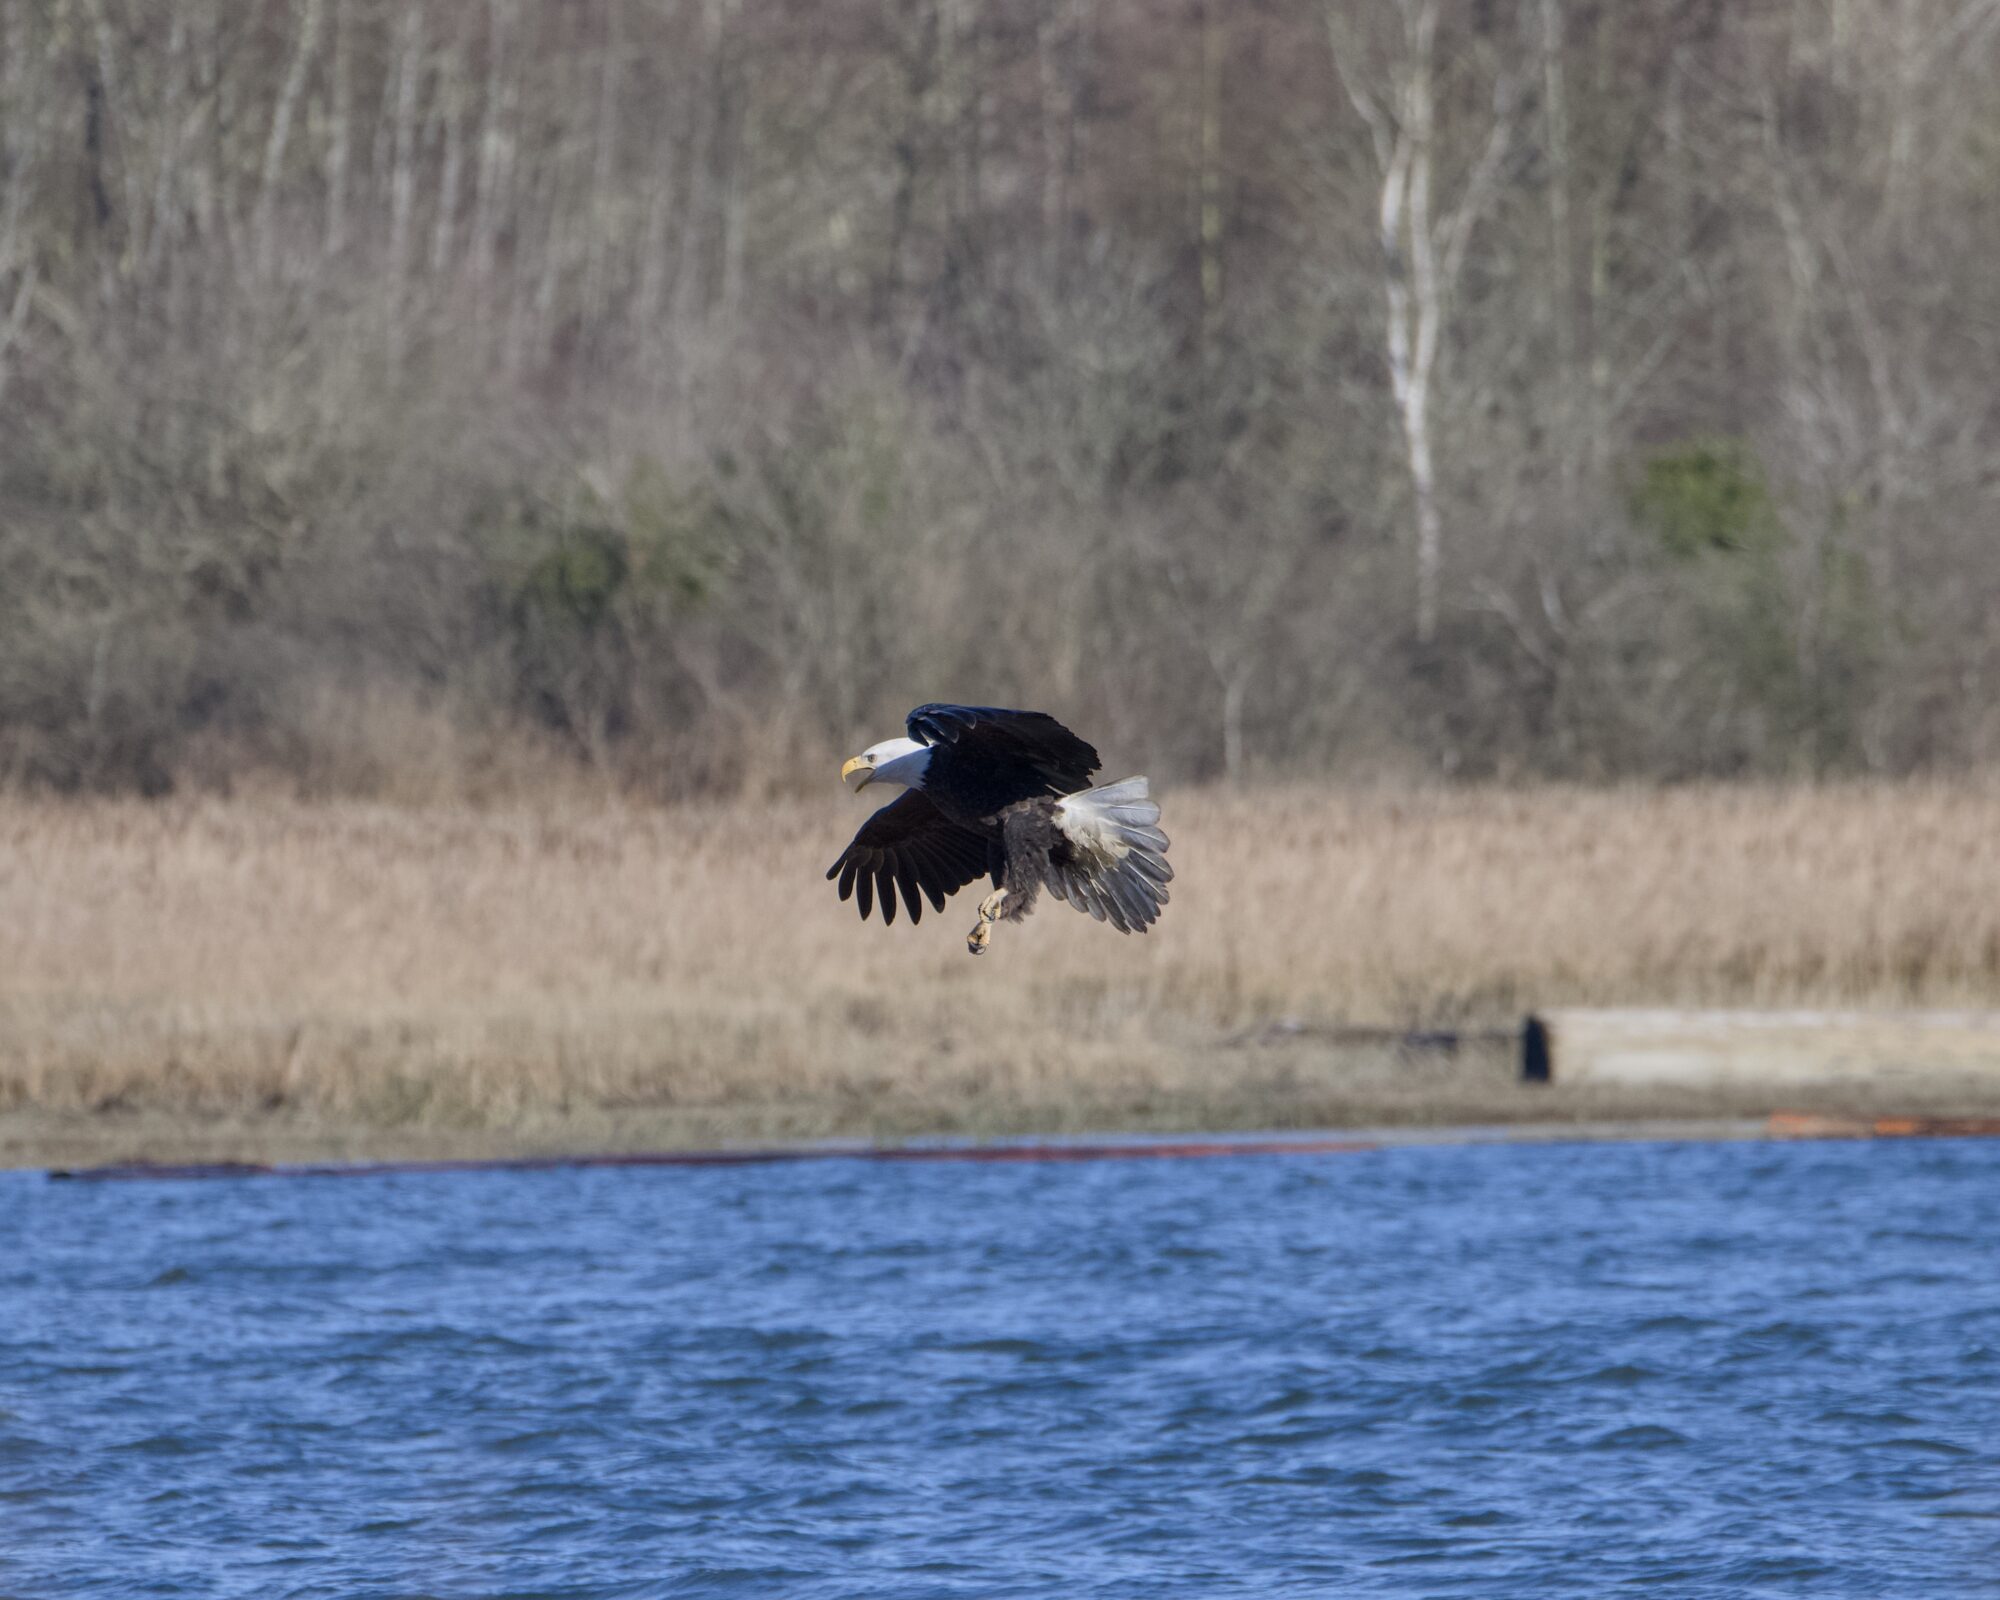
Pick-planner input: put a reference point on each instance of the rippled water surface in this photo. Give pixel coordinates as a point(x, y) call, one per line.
point(1736, 1369)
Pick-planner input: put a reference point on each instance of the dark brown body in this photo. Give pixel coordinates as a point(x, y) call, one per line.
point(1031, 843)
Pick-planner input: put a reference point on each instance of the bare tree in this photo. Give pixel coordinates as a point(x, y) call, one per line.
point(1425, 220)
point(281, 130)
point(741, 366)
point(402, 125)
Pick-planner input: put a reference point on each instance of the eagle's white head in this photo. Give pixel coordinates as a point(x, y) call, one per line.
point(892, 761)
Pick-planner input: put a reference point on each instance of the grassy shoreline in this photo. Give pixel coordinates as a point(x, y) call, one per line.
point(75, 1140)
point(263, 980)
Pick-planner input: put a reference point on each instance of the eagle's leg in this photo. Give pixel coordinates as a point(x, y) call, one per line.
point(989, 913)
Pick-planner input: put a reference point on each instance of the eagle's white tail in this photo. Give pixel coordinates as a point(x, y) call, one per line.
point(1118, 869)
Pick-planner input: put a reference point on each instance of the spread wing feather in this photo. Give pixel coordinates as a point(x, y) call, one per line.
point(990, 757)
point(908, 846)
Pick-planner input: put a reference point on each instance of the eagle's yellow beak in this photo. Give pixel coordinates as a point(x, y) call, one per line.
point(862, 765)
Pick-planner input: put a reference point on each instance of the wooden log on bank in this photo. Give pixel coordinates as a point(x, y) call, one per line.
point(1748, 1048)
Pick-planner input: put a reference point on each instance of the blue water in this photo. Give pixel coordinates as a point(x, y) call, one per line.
point(1737, 1369)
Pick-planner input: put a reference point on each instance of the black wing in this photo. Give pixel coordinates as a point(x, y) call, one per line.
point(989, 757)
point(909, 845)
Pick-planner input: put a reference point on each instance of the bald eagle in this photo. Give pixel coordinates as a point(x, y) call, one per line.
point(1002, 794)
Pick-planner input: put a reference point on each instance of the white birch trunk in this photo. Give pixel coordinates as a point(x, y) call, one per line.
point(1562, 293)
point(403, 172)
point(604, 166)
point(496, 149)
point(281, 133)
point(340, 130)
point(1057, 105)
point(1423, 254)
point(451, 176)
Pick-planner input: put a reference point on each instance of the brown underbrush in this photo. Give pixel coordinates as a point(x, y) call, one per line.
point(452, 978)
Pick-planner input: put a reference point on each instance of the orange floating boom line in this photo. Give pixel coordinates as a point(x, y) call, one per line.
point(1137, 1150)
point(1781, 1125)
point(1812, 1125)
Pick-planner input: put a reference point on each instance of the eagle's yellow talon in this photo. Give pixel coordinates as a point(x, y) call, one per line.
point(989, 913)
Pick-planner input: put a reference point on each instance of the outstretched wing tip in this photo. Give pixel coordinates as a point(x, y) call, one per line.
point(908, 848)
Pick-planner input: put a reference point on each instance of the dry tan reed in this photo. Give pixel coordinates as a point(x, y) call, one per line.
point(642, 975)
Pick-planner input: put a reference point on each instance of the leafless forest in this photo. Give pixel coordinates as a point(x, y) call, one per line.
point(434, 396)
